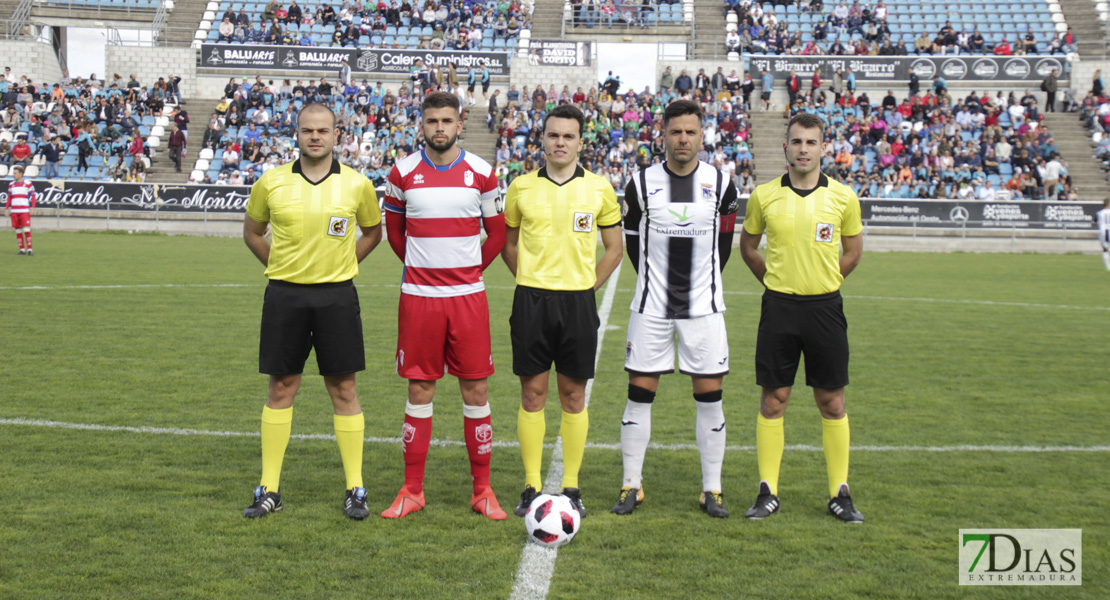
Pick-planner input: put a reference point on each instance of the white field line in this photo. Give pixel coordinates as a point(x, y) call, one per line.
point(510, 444)
point(537, 564)
point(497, 287)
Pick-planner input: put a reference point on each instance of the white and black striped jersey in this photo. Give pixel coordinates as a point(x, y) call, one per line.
point(679, 235)
point(1103, 219)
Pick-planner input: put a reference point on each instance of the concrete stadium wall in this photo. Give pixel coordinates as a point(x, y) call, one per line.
point(33, 59)
point(523, 74)
point(148, 64)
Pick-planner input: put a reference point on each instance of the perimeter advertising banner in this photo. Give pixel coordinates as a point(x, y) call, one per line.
point(875, 212)
point(875, 69)
point(977, 214)
point(558, 53)
point(367, 60)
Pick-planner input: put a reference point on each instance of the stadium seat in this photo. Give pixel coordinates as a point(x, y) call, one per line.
point(201, 164)
point(196, 176)
point(154, 141)
point(206, 154)
point(3, 170)
point(32, 171)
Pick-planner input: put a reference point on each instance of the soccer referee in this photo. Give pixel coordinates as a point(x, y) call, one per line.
point(312, 206)
point(553, 216)
point(808, 218)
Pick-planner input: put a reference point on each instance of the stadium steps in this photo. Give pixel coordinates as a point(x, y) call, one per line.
point(709, 31)
point(1074, 143)
point(768, 131)
point(7, 9)
point(1081, 16)
point(547, 20)
point(476, 137)
point(161, 167)
point(184, 21)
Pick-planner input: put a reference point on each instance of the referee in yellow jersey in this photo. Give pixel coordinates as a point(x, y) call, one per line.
point(553, 217)
point(313, 206)
point(808, 218)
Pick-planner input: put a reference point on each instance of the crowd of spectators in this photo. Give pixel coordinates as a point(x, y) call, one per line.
point(454, 24)
point(626, 13)
point(624, 132)
point(104, 123)
point(935, 145)
point(253, 128)
point(861, 30)
point(1094, 113)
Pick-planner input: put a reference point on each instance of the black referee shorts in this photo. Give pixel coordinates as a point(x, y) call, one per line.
point(554, 326)
point(297, 318)
point(790, 326)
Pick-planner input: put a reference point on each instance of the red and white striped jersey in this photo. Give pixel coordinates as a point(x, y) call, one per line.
point(443, 207)
point(21, 197)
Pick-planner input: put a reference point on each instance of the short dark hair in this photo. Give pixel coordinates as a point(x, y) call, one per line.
point(440, 100)
point(681, 108)
point(566, 111)
point(316, 106)
point(806, 121)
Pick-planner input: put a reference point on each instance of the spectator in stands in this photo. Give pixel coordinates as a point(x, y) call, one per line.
point(1029, 42)
point(732, 41)
point(294, 14)
point(51, 152)
point(226, 31)
point(85, 146)
point(1003, 48)
point(608, 13)
point(270, 12)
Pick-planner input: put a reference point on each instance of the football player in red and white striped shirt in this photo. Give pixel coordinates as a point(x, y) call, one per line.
point(437, 202)
point(20, 206)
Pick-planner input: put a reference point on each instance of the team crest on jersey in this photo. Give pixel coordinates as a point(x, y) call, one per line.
point(483, 433)
point(468, 178)
point(583, 222)
point(706, 191)
point(824, 232)
point(338, 226)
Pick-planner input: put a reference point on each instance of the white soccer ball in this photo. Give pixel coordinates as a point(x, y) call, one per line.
point(552, 520)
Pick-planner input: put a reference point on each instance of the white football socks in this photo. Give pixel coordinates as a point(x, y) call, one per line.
point(710, 427)
point(635, 435)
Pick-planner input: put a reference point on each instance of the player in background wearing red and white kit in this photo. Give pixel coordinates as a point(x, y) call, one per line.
point(20, 206)
point(437, 201)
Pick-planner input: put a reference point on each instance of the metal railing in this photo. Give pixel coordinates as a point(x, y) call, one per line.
point(14, 28)
point(79, 9)
point(159, 37)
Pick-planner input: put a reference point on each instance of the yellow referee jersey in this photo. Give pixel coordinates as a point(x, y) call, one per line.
point(558, 227)
point(803, 233)
point(313, 225)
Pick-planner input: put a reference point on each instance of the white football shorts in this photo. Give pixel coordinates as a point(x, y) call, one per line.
point(702, 345)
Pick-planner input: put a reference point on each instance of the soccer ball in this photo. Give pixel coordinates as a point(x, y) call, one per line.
point(552, 520)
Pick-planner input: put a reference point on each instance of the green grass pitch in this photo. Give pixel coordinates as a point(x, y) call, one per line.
point(150, 331)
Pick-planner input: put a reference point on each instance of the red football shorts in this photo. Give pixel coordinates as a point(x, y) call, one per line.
point(434, 333)
point(21, 220)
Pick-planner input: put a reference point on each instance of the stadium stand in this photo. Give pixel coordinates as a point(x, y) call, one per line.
point(458, 24)
point(624, 132)
point(253, 128)
point(628, 15)
point(898, 27)
point(81, 129)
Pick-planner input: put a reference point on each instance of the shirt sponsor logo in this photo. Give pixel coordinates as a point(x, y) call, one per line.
point(338, 227)
point(583, 222)
point(824, 232)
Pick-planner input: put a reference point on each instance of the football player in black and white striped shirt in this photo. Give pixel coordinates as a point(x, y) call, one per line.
point(1103, 219)
point(679, 229)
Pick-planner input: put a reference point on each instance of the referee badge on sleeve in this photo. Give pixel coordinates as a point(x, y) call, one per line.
point(583, 222)
point(338, 227)
point(824, 232)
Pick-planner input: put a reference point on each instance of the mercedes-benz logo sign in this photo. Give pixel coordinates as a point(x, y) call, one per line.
point(958, 214)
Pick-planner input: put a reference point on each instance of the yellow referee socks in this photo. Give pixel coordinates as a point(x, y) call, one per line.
point(348, 432)
point(276, 425)
point(530, 429)
point(835, 438)
point(770, 439)
point(573, 430)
